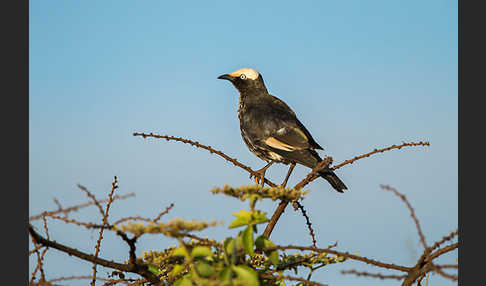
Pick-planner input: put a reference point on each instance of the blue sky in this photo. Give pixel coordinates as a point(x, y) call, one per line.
point(359, 74)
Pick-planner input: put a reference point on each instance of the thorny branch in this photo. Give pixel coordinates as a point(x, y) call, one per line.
point(445, 275)
point(307, 222)
point(166, 211)
point(309, 178)
point(323, 164)
point(111, 281)
point(404, 144)
point(412, 213)
point(424, 265)
point(77, 207)
point(114, 186)
point(132, 241)
point(444, 239)
point(93, 198)
point(374, 275)
point(283, 204)
point(132, 268)
point(93, 258)
point(343, 254)
point(209, 148)
point(39, 261)
point(291, 278)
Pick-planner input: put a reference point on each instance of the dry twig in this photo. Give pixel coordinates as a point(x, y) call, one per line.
point(343, 254)
point(404, 144)
point(93, 198)
point(374, 275)
point(209, 148)
point(412, 213)
point(77, 207)
point(307, 221)
point(291, 278)
point(323, 164)
point(283, 204)
point(141, 270)
point(114, 186)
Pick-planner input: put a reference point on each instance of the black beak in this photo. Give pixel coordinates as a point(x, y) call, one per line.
point(226, 76)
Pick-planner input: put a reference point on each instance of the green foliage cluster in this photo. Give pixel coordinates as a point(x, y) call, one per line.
point(256, 191)
point(174, 228)
point(243, 259)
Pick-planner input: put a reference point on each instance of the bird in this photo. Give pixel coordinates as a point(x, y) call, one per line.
point(271, 130)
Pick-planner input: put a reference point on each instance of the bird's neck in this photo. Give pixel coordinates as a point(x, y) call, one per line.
point(248, 95)
point(250, 98)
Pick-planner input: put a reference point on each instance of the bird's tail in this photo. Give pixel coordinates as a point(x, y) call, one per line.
point(334, 180)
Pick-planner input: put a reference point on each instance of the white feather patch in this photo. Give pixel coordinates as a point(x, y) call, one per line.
point(272, 142)
point(281, 131)
point(248, 72)
point(275, 156)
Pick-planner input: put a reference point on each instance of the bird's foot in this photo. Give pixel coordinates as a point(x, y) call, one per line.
point(259, 176)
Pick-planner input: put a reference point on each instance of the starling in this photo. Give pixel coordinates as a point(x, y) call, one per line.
point(271, 129)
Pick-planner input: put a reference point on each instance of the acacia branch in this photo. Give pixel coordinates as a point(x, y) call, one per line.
point(307, 222)
point(425, 265)
point(114, 186)
point(404, 144)
point(290, 278)
point(283, 204)
point(110, 281)
point(439, 271)
point(139, 269)
point(343, 254)
point(209, 148)
point(374, 275)
point(444, 239)
point(412, 214)
point(77, 207)
point(322, 165)
point(93, 198)
point(444, 250)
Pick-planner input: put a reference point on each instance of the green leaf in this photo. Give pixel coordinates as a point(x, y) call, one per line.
point(263, 242)
point(154, 269)
point(180, 251)
point(247, 239)
point(259, 242)
point(201, 251)
point(273, 257)
point(245, 218)
point(242, 218)
point(229, 245)
point(184, 281)
point(239, 243)
point(177, 270)
point(247, 275)
point(204, 270)
point(225, 274)
point(230, 250)
point(259, 217)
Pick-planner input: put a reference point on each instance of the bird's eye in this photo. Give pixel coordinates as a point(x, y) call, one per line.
point(243, 76)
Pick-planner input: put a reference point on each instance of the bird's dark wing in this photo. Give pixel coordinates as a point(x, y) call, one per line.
point(286, 131)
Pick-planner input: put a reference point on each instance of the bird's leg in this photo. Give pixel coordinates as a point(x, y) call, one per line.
point(292, 166)
point(260, 174)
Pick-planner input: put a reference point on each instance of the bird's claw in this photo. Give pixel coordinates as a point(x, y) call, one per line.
point(259, 177)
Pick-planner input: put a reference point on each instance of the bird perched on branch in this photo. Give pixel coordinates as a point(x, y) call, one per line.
point(271, 129)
